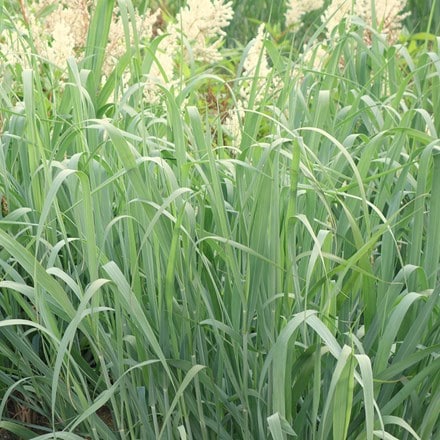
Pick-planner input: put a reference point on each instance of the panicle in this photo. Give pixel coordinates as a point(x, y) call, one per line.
point(116, 47)
point(61, 33)
point(258, 80)
point(256, 57)
point(201, 23)
point(297, 8)
point(386, 15)
point(58, 30)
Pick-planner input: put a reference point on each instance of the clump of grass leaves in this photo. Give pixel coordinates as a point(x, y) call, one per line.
point(287, 290)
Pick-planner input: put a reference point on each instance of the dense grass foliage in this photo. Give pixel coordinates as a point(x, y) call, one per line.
point(159, 281)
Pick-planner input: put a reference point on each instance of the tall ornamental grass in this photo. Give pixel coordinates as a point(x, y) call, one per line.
point(161, 278)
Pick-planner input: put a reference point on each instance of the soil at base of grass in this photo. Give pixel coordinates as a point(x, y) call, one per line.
point(6, 435)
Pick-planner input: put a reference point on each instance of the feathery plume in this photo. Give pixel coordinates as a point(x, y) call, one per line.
point(201, 23)
point(387, 15)
point(255, 69)
point(296, 9)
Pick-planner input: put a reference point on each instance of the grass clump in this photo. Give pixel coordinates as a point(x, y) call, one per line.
point(164, 276)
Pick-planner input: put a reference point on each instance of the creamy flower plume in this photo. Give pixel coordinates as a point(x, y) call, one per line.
point(256, 57)
point(116, 47)
point(73, 14)
point(256, 74)
point(297, 8)
point(201, 22)
point(388, 14)
point(61, 33)
point(384, 15)
point(255, 68)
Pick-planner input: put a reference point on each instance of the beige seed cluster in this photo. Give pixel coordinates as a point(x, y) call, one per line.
point(387, 16)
